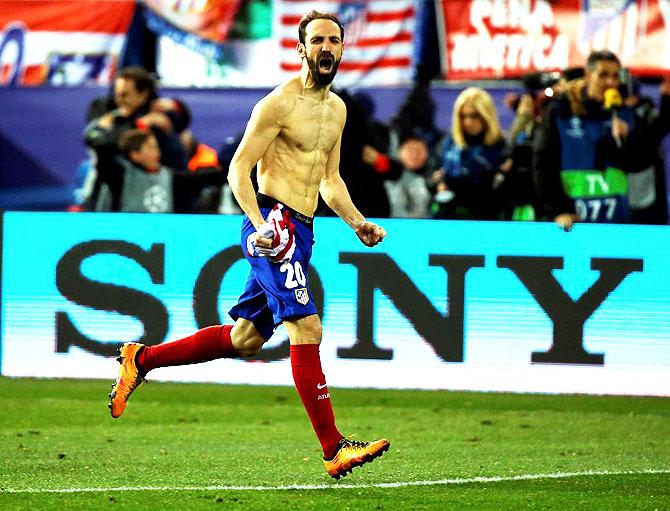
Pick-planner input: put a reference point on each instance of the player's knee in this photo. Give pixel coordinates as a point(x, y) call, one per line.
point(304, 330)
point(246, 339)
point(309, 334)
point(315, 332)
point(250, 346)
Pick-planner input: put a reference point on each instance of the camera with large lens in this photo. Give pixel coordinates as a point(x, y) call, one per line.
point(540, 81)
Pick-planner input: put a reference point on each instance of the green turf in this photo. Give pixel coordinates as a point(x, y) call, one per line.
point(58, 434)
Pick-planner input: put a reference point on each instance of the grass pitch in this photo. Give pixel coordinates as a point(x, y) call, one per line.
point(196, 446)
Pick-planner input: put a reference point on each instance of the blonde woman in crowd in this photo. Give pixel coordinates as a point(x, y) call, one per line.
point(470, 156)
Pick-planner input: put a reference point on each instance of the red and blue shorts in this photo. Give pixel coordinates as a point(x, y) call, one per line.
point(275, 292)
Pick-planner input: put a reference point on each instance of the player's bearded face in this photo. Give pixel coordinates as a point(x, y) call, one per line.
point(323, 67)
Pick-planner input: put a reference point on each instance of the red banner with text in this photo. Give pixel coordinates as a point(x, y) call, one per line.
point(55, 42)
point(489, 39)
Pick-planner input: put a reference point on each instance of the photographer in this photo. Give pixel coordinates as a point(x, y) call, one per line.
point(514, 182)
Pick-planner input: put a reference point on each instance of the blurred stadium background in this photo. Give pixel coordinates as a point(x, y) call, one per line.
point(221, 56)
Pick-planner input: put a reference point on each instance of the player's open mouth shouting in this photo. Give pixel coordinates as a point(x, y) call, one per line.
point(326, 62)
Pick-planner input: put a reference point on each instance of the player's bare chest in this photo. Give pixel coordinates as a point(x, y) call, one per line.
point(312, 126)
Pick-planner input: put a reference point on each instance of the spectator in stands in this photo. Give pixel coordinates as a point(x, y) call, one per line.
point(228, 204)
point(514, 182)
point(135, 98)
point(147, 185)
point(409, 196)
point(470, 156)
point(647, 189)
point(583, 149)
point(370, 161)
point(364, 161)
point(200, 156)
point(198, 188)
point(416, 116)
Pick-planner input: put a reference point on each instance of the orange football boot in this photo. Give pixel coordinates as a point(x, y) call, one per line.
point(352, 453)
point(128, 380)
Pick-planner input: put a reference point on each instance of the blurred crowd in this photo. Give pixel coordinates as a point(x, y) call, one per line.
point(585, 146)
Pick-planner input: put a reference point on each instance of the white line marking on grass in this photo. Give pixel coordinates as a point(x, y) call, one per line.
point(345, 486)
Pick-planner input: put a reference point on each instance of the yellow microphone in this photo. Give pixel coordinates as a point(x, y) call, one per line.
point(613, 99)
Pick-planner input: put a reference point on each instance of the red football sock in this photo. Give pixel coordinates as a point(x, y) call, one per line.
point(311, 385)
point(207, 344)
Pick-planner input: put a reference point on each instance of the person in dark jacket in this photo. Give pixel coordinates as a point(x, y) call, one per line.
point(137, 106)
point(364, 164)
point(470, 156)
point(584, 148)
point(648, 188)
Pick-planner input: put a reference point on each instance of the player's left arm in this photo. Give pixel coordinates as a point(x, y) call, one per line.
point(335, 194)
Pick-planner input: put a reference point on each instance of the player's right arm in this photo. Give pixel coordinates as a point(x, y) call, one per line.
point(263, 128)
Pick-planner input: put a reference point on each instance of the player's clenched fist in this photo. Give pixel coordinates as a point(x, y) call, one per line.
point(273, 239)
point(370, 234)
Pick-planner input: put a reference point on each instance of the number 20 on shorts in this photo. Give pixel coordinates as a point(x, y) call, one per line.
point(295, 276)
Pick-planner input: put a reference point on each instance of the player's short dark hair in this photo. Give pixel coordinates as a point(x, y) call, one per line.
point(133, 140)
point(601, 56)
point(316, 15)
point(143, 79)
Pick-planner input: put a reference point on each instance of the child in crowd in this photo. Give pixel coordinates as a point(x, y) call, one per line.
point(147, 186)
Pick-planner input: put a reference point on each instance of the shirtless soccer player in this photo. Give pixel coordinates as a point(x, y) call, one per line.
point(294, 135)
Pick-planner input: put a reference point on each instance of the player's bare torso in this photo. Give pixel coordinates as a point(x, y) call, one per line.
point(310, 125)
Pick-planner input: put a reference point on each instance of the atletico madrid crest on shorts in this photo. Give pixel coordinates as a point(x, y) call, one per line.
point(302, 296)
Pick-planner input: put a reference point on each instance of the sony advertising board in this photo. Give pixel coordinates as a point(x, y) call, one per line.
point(489, 306)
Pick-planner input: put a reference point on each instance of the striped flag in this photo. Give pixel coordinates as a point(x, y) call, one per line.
point(378, 39)
point(56, 42)
point(619, 27)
